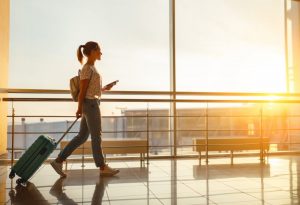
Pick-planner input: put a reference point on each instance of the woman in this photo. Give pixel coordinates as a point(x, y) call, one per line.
point(88, 109)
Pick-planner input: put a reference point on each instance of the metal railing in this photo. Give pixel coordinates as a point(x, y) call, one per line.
point(205, 98)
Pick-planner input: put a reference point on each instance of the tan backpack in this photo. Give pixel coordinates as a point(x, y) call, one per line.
point(75, 86)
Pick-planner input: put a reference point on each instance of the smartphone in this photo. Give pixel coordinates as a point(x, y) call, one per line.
point(113, 83)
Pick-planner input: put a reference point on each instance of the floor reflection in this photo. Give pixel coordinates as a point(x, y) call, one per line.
point(57, 191)
point(181, 181)
point(30, 194)
point(221, 171)
point(218, 172)
point(27, 195)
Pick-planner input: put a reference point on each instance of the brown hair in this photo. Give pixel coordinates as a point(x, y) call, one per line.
point(87, 48)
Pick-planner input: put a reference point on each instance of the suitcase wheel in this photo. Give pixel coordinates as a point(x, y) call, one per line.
point(12, 174)
point(12, 193)
point(20, 181)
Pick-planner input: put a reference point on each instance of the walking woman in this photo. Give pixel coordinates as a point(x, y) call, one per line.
point(88, 110)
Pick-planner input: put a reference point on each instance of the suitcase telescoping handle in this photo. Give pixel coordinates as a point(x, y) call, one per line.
point(66, 132)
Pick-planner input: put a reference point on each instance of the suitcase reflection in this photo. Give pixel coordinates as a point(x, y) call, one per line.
point(29, 194)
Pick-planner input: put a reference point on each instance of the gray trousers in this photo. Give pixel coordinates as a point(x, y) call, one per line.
point(90, 124)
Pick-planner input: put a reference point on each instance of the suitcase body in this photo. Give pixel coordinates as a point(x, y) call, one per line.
point(33, 158)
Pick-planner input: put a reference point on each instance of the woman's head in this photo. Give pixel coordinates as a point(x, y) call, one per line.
point(91, 50)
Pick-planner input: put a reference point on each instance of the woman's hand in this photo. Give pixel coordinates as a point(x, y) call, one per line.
point(108, 87)
point(79, 113)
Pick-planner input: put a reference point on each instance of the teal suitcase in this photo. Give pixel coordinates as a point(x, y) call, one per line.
point(34, 157)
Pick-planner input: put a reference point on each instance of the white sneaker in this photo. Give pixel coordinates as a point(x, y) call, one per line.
point(58, 168)
point(108, 171)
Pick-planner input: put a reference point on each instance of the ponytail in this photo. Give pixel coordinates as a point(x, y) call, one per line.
point(87, 49)
point(79, 54)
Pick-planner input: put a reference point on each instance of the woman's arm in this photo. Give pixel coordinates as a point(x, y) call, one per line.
point(82, 93)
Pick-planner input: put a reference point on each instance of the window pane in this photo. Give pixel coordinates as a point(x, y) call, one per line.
point(46, 34)
point(230, 45)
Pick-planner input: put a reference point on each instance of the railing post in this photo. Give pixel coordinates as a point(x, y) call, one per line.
point(147, 120)
point(12, 192)
point(261, 134)
point(206, 134)
point(13, 136)
point(288, 130)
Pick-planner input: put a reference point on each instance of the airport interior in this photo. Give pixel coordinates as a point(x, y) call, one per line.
point(206, 109)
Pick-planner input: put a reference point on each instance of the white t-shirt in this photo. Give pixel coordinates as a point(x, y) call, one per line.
point(95, 84)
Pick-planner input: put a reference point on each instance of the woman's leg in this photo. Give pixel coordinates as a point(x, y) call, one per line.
point(93, 119)
point(71, 146)
point(76, 141)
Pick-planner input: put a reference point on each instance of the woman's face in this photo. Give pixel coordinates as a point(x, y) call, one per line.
point(96, 54)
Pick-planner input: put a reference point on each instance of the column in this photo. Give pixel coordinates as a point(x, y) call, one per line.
point(4, 51)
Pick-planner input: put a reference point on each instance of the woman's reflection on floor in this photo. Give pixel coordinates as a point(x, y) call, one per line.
point(57, 191)
point(30, 195)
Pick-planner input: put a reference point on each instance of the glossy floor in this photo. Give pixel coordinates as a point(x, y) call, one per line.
point(181, 181)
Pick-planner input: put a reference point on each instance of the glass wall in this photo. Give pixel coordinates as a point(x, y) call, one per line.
point(221, 46)
point(227, 46)
point(230, 46)
point(134, 42)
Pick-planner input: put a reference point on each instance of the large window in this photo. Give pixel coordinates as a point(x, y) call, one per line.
point(133, 35)
point(221, 45)
point(230, 45)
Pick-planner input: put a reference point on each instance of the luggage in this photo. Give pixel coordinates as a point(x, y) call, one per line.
point(34, 157)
